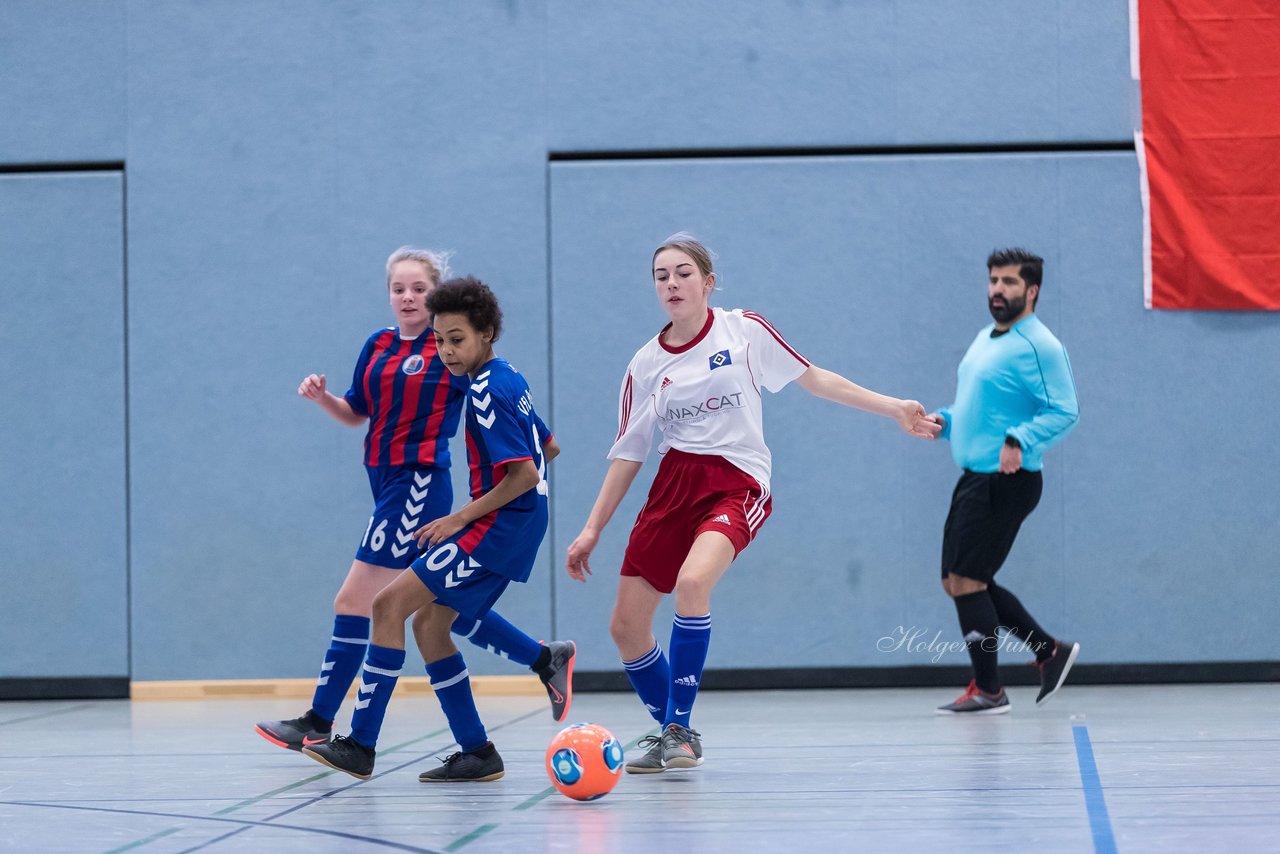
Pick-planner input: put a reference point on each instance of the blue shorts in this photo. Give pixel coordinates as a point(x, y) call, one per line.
point(404, 499)
point(455, 570)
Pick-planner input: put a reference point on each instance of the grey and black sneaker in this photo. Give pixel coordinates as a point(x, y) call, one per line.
point(681, 747)
point(651, 762)
point(481, 765)
point(295, 734)
point(975, 701)
point(1054, 671)
point(344, 754)
point(558, 677)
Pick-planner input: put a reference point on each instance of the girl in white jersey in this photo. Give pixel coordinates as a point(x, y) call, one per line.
point(698, 381)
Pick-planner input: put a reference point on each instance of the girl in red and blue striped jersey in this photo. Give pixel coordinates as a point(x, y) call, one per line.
point(412, 405)
point(473, 554)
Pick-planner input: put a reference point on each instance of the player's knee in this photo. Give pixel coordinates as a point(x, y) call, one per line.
point(386, 607)
point(626, 629)
point(957, 586)
point(693, 595)
point(434, 642)
point(347, 602)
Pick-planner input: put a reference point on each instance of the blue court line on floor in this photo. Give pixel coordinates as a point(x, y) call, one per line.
point(338, 791)
point(1104, 840)
point(247, 823)
point(471, 836)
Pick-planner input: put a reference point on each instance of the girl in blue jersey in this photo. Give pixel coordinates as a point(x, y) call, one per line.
point(473, 554)
point(412, 405)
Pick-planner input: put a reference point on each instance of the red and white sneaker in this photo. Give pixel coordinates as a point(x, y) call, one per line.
point(975, 701)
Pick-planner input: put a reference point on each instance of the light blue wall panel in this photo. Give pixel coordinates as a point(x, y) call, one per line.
point(674, 75)
point(62, 449)
point(271, 173)
point(874, 267)
point(1172, 500)
point(62, 73)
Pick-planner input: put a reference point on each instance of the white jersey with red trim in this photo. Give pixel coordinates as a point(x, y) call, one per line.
point(705, 395)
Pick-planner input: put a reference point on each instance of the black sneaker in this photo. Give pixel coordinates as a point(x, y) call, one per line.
point(294, 734)
point(344, 754)
point(1054, 671)
point(481, 765)
point(558, 677)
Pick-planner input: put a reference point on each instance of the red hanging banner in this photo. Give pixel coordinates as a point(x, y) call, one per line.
point(1209, 149)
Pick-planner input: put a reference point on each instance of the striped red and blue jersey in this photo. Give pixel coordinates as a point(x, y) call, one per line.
point(411, 400)
point(503, 428)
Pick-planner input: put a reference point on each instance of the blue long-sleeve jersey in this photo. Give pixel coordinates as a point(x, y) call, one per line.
point(1017, 384)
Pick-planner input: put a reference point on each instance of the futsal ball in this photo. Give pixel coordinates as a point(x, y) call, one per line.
point(584, 762)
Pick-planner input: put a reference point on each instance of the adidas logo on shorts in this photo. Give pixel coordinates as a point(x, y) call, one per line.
point(723, 519)
point(690, 680)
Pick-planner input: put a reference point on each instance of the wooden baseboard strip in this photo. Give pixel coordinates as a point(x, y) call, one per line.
point(240, 689)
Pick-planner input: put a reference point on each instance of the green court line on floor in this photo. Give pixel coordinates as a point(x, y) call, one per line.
point(527, 803)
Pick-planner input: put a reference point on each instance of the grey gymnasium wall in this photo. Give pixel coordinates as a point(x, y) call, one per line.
point(172, 510)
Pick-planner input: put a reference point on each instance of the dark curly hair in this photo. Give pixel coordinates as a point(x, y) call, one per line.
point(469, 296)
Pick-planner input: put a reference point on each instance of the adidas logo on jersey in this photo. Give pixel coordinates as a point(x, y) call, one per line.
point(666, 381)
point(690, 681)
point(723, 519)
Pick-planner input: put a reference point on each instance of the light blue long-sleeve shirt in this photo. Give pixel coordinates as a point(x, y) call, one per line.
point(1018, 384)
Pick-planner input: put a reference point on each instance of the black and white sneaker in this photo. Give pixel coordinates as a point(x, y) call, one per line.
point(481, 765)
point(344, 754)
point(557, 676)
point(297, 733)
point(1054, 671)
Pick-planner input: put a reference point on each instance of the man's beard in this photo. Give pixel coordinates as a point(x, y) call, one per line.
point(1009, 310)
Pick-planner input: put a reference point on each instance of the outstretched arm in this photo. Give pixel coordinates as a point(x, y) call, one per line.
point(313, 388)
point(909, 414)
point(616, 483)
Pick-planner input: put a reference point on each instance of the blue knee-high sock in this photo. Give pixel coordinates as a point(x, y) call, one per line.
point(341, 663)
point(377, 681)
point(690, 638)
point(497, 635)
point(651, 678)
point(452, 684)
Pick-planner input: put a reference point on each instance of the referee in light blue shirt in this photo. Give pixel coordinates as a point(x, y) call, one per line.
point(1015, 399)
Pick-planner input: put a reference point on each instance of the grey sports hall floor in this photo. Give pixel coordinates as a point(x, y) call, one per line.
point(1163, 768)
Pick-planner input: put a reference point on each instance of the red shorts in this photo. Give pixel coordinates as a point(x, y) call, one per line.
point(692, 493)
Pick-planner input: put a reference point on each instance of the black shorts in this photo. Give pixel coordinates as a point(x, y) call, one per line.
point(986, 512)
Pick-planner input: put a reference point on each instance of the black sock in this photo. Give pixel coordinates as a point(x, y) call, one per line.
point(544, 658)
point(978, 623)
point(1017, 620)
point(485, 750)
point(318, 723)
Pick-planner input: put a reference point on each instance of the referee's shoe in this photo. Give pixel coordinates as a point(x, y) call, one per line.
point(1054, 671)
